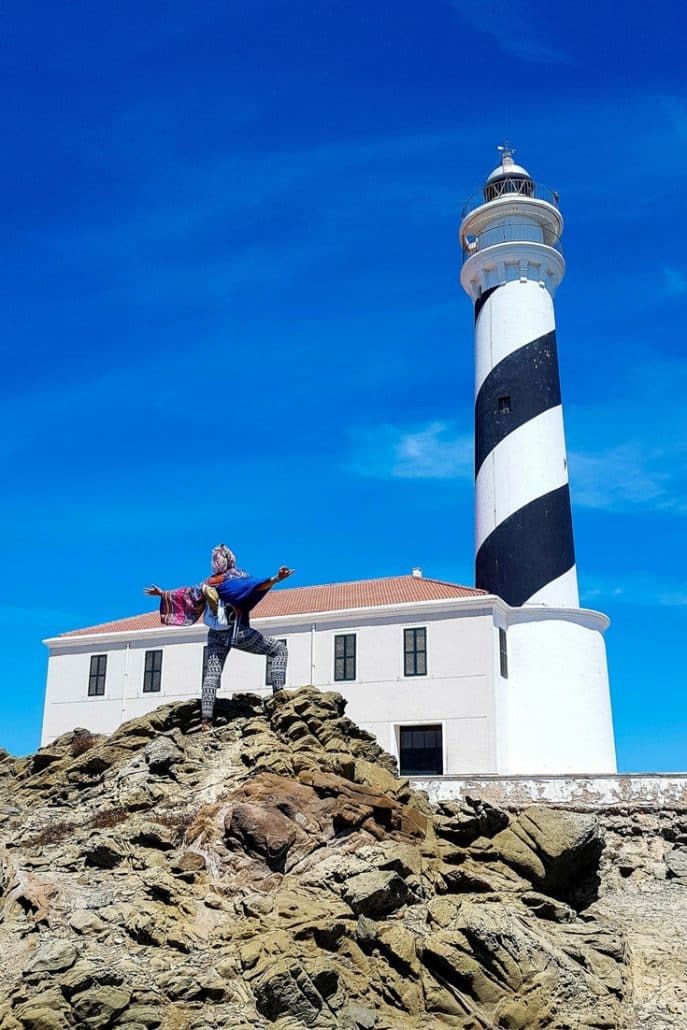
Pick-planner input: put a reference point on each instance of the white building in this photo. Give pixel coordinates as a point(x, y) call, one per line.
point(450, 679)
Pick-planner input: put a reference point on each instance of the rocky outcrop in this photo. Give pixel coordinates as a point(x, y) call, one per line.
point(277, 872)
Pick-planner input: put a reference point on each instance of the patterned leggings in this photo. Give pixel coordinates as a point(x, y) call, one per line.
point(250, 640)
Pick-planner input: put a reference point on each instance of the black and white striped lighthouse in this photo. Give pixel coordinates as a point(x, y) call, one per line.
point(512, 265)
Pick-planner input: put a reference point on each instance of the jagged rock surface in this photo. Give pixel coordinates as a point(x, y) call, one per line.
point(277, 873)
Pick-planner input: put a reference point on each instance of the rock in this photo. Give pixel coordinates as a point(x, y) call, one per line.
point(361, 1017)
point(278, 871)
point(548, 908)
point(375, 894)
point(99, 1006)
point(141, 1015)
point(257, 905)
point(146, 926)
point(676, 860)
point(53, 957)
point(45, 757)
point(265, 833)
point(553, 849)
point(462, 822)
point(86, 922)
point(190, 862)
point(480, 877)
point(161, 755)
point(286, 989)
point(399, 944)
point(154, 835)
point(104, 852)
point(45, 1011)
point(78, 978)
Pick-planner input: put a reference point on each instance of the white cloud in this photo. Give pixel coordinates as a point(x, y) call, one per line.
point(433, 451)
point(674, 281)
point(644, 589)
point(644, 471)
point(515, 29)
point(626, 476)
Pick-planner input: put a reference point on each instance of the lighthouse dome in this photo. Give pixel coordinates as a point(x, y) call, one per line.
point(512, 170)
point(508, 178)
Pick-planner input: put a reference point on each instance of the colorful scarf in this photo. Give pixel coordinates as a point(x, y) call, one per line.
point(181, 607)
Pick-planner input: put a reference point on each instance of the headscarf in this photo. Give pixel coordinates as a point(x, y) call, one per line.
point(223, 560)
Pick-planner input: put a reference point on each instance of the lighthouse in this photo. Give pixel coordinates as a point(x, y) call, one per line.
point(512, 266)
point(552, 705)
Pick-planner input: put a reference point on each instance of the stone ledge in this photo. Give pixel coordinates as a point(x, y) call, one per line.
point(637, 791)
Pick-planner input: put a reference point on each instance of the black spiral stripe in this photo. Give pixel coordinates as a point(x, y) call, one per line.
point(529, 549)
point(534, 546)
point(529, 378)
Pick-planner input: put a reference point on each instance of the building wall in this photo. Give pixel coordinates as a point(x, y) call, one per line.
point(550, 714)
point(455, 693)
point(554, 709)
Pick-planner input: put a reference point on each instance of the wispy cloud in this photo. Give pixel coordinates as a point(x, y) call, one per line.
point(515, 29)
point(433, 451)
point(674, 281)
point(642, 463)
point(645, 589)
point(624, 477)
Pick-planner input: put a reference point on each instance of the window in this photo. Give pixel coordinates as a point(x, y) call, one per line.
point(96, 676)
point(421, 751)
point(205, 665)
point(268, 665)
point(415, 652)
point(344, 656)
point(152, 673)
point(504, 405)
point(503, 653)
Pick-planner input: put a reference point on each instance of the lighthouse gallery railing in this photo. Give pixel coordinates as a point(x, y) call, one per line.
point(510, 232)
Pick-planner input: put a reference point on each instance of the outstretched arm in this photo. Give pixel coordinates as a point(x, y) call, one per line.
point(284, 573)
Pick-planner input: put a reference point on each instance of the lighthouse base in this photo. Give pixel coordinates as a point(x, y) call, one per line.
point(553, 712)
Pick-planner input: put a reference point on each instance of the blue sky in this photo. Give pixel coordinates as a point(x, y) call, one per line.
point(231, 310)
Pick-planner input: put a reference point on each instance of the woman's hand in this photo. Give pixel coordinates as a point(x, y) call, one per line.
point(152, 591)
point(284, 573)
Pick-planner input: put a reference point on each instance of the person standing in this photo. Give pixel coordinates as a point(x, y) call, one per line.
point(226, 600)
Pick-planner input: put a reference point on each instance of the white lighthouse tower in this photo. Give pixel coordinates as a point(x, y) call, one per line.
point(552, 711)
point(513, 264)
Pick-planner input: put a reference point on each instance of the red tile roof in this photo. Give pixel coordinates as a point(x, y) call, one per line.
point(332, 597)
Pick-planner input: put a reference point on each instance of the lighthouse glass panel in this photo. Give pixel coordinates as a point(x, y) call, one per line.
point(420, 751)
point(415, 652)
point(344, 657)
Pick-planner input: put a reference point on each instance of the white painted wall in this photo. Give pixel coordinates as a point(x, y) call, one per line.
point(455, 692)
point(554, 709)
point(557, 680)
